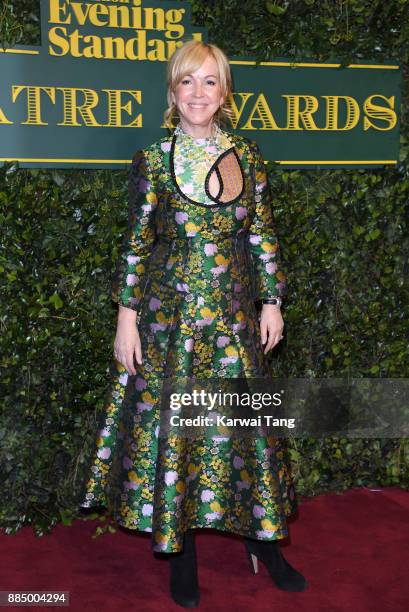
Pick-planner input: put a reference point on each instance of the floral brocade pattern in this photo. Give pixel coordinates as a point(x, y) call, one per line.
point(192, 269)
point(193, 158)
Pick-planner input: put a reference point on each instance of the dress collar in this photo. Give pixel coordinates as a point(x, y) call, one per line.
point(210, 140)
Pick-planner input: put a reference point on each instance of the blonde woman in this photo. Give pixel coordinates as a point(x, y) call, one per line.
point(200, 251)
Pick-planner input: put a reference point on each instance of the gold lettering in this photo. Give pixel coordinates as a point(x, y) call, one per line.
point(91, 46)
point(262, 109)
point(99, 9)
point(134, 17)
point(174, 18)
point(79, 13)
point(172, 45)
point(79, 111)
point(332, 114)
point(154, 19)
point(379, 112)
point(55, 9)
point(72, 107)
point(115, 107)
point(33, 101)
point(94, 49)
point(158, 54)
point(58, 41)
point(117, 48)
point(74, 43)
point(3, 118)
point(237, 111)
point(294, 114)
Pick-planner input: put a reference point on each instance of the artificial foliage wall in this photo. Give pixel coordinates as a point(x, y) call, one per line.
point(344, 241)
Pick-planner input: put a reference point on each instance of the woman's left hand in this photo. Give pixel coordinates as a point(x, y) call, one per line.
point(271, 325)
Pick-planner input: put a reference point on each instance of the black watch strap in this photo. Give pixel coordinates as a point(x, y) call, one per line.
point(273, 300)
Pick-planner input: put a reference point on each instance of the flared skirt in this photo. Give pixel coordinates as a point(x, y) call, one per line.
point(168, 484)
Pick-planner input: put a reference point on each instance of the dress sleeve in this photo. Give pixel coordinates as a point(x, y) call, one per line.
point(129, 281)
point(270, 281)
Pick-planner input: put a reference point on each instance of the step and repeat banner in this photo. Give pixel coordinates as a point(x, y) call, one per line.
point(94, 92)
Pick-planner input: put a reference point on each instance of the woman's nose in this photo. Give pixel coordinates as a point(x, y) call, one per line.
point(198, 88)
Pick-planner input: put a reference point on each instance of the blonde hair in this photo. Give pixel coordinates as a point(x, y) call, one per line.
point(186, 60)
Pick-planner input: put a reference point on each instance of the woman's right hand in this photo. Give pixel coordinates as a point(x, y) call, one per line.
point(127, 342)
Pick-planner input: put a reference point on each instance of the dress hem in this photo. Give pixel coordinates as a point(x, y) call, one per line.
point(194, 526)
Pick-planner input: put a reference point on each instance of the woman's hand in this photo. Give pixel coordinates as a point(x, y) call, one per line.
point(271, 324)
point(127, 342)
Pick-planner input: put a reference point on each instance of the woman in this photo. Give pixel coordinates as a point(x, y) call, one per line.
point(201, 249)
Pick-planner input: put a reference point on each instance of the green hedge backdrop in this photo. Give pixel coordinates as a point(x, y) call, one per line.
point(345, 245)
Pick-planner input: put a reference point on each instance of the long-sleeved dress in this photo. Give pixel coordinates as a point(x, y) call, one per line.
point(201, 249)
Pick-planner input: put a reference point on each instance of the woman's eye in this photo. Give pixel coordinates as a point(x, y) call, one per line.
point(210, 82)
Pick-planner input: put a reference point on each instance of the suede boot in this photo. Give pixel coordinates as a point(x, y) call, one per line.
point(184, 583)
point(269, 552)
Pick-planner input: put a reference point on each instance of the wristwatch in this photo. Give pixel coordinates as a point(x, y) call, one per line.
point(273, 300)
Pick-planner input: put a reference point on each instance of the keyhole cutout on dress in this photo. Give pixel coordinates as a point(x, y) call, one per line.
point(225, 180)
point(214, 185)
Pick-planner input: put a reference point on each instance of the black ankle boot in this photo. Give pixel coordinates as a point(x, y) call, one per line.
point(283, 574)
point(184, 583)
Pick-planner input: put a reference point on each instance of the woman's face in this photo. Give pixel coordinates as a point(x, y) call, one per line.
point(198, 96)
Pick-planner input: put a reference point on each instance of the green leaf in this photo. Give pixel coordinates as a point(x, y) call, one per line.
point(274, 9)
point(56, 301)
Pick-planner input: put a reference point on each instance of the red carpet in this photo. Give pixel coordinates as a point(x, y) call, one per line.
point(353, 548)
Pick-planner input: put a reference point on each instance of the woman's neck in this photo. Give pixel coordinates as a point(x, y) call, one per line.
point(199, 131)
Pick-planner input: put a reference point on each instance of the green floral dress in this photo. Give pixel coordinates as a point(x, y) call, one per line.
point(201, 249)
